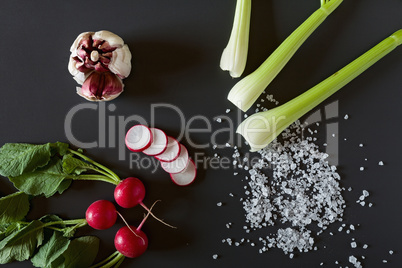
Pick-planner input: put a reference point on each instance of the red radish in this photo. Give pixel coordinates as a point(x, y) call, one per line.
point(187, 176)
point(172, 151)
point(130, 241)
point(138, 138)
point(179, 164)
point(159, 142)
point(129, 192)
point(101, 215)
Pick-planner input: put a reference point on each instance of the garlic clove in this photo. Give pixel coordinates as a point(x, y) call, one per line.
point(120, 62)
point(79, 39)
point(75, 72)
point(101, 87)
point(113, 39)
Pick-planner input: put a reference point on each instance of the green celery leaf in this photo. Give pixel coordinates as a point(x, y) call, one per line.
point(45, 180)
point(51, 250)
point(21, 243)
point(74, 165)
point(81, 253)
point(18, 158)
point(13, 207)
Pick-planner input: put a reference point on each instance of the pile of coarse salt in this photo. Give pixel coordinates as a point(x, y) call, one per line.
point(302, 193)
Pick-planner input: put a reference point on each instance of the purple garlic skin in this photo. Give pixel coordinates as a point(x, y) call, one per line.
point(99, 61)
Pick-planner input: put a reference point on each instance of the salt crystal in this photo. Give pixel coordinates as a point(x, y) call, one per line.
point(380, 163)
point(219, 120)
point(365, 193)
point(353, 244)
point(391, 252)
point(384, 261)
point(219, 204)
point(227, 111)
point(361, 168)
point(361, 145)
point(365, 246)
point(346, 117)
point(215, 256)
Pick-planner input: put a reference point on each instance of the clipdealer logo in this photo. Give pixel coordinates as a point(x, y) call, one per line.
point(112, 129)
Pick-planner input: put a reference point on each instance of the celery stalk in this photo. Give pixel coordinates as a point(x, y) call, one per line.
point(247, 90)
point(262, 128)
point(234, 56)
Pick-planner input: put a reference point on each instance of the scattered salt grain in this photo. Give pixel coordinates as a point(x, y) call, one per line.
point(219, 120)
point(227, 111)
point(365, 246)
point(346, 117)
point(219, 204)
point(215, 256)
point(384, 261)
point(380, 163)
point(302, 191)
point(361, 145)
point(361, 168)
point(353, 260)
point(353, 244)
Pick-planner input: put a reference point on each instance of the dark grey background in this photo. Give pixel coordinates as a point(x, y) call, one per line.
point(176, 47)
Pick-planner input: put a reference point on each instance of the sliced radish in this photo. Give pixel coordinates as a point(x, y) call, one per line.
point(179, 164)
point(172, 151)
point(159, 142)
point(187, 176)
point(138, 138)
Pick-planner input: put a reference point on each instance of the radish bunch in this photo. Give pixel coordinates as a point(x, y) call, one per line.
point(130, 241)
point(173, 156)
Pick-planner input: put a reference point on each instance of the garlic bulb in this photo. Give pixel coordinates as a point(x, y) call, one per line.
point(99, 61)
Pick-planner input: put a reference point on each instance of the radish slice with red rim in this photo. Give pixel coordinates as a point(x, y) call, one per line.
point(172, 151)
point(159, 142)
point(179, 164)
point(187, 176)
point(138, 138)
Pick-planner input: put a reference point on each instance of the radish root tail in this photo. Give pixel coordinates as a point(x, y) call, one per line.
point(149, 212)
